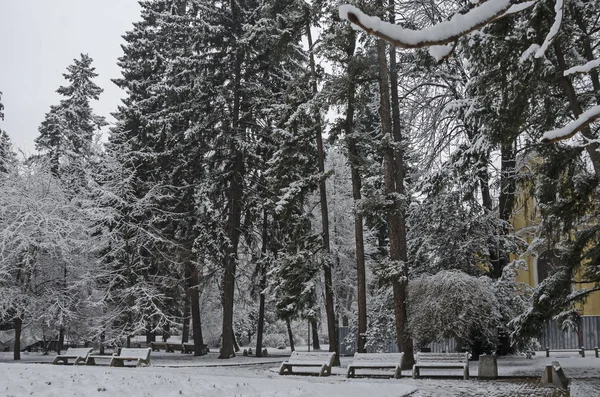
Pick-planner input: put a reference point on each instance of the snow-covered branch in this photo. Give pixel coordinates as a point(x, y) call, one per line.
point(585, 119)
point(558, 9)
point(443, 33)
point(585, 68)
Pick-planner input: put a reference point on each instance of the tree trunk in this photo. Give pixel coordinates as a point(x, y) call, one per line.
point(262, 286)
point(185, 330)
point(395, 219)
point(354, 161)
point(234, 203)
point(236, 346)
point(61, 340)
point(194, 297)
point(290, 335)
point(102, 338)
point(17, 345)
point(329, 299)
point(315, 334)
point(128, 342)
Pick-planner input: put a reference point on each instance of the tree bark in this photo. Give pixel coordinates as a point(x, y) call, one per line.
point(315, 334)
point(290, 335)
point(194, 296)
point(102, 338)
point(17, 345)
point(262, 286)
point(332, 329)
point(185, 331)
point(236, 346)
point(61, 339)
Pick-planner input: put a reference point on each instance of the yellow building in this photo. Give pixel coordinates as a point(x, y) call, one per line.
point(542, 260)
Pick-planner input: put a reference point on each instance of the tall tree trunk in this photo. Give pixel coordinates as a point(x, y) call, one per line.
point(185, 331)
point(262, 286)
point(234, 203)
point(359, 245)
point(315, 334)
point(395, 220)
point(194, 296)
point(17, 345)
point(332, 329)
point(290, 335)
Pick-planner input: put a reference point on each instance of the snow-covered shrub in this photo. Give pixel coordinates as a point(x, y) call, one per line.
point(454, 304)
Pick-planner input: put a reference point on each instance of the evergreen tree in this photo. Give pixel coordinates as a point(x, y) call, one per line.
point(68, 129)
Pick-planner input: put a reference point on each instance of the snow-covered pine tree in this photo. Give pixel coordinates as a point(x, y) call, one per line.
point(67, 132)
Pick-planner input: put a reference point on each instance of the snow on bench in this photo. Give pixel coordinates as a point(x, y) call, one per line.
point(141, 356)
point(581, 351)
point(79, 354)
point(442, 361)
point(322, 360)
point(376, 361)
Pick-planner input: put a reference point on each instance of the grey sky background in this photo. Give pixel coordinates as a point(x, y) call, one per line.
point(39, 39)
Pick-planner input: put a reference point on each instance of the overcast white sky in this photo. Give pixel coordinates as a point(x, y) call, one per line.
point(39, 39)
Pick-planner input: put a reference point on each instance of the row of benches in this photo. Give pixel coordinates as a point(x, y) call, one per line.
point(83, 356)
point(172, 347)
point(323, 361)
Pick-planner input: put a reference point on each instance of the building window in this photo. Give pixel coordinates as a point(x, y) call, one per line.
point(547, 263)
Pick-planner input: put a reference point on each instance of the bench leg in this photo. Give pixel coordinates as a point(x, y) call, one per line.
point(466, 372)
point(415, 371)
point(398, 372)
point(90, 361)
point(283, 368)
point(350, 372)
point(323, 370)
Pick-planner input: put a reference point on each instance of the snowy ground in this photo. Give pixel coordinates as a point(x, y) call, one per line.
point(176, 374)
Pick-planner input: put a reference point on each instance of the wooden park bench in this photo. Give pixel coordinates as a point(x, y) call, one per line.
point(189, 348)
point(166, 346)
point(581, 351)
point(322, 361)
point(141, 356)
point(442, 361)
point(78, 354)
point(376, 361)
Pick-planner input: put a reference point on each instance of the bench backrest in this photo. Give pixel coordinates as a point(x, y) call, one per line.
point(143, 353)
point(326, 357)
point(442, 357)
point(78, 351)
point(394, 358)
